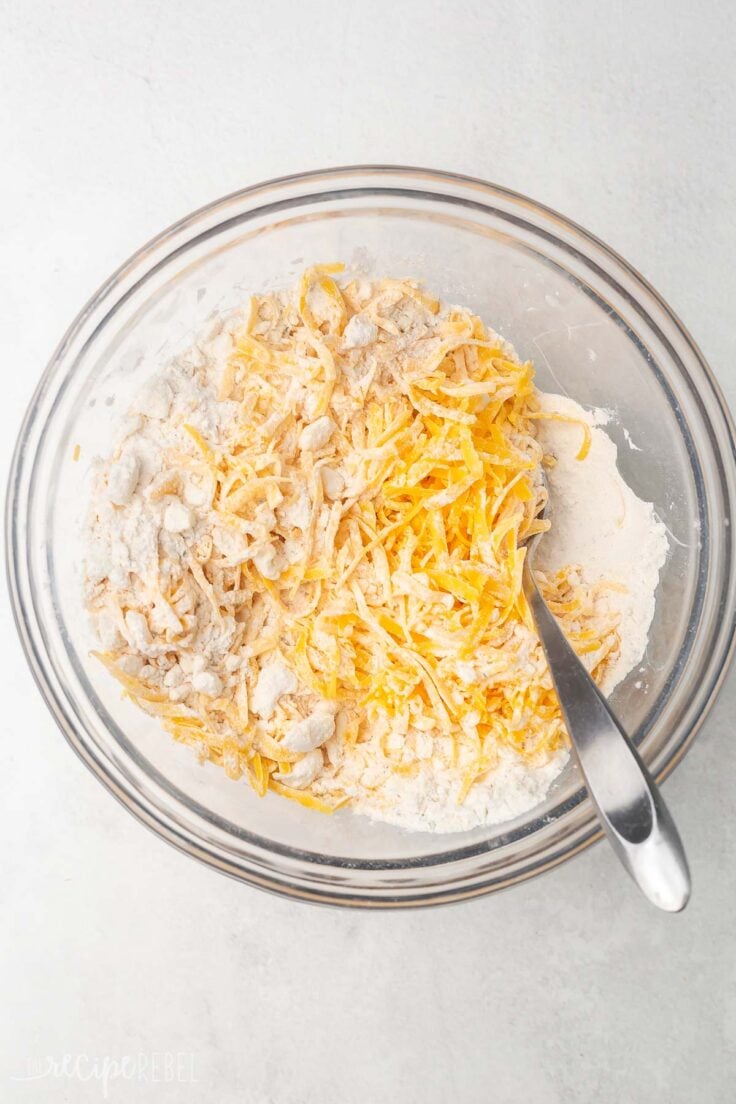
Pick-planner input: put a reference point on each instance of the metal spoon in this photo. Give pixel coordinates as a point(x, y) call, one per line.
point(629, 805)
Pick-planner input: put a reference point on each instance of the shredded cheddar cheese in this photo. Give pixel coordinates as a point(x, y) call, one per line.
point(357, 543)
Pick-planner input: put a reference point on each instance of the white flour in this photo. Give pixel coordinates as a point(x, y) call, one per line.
point(428, 802)
point(599, 523)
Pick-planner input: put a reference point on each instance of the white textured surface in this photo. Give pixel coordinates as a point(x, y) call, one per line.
point(117, 119)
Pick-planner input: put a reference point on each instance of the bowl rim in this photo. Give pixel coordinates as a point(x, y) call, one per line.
point(588, 832)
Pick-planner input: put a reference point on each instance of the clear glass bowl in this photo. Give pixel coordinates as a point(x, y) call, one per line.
point(594, 329)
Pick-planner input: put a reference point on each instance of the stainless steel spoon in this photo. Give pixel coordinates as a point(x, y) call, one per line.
point(629, 805)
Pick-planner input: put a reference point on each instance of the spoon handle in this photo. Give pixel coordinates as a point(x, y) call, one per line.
point(629, 805)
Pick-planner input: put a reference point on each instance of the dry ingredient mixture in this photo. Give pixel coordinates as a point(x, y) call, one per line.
point(305, 555)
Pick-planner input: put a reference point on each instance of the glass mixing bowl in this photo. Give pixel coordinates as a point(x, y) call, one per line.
point(594, 329)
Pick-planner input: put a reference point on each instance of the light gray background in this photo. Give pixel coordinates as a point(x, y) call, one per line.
point(118, 119)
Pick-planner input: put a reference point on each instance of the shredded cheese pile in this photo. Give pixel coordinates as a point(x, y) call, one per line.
point(359, 550)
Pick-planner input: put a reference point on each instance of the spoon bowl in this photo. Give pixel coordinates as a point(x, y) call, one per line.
point(630, 808)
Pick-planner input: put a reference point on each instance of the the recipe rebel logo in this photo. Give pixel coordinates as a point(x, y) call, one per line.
point(154, 1068)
